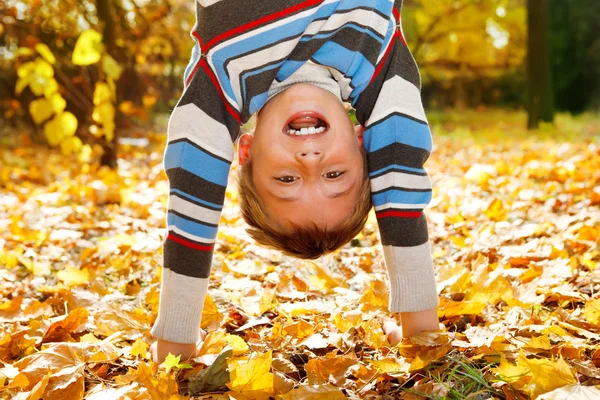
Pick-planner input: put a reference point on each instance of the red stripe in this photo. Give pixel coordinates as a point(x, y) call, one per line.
point(234, 113)
point(197, 36)
point(404, 214)
point(189, 244)
point(189, 79)
point(378, 69)
point(399, 23)
point(260, 21)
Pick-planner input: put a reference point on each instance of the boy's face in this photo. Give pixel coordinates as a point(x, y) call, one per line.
point(305, 178)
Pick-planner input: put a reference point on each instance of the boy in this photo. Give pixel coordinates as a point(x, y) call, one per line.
point(303, 172)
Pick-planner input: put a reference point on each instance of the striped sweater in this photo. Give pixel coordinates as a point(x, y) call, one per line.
point(237, 57)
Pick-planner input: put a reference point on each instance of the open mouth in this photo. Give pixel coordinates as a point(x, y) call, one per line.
point(305, 124)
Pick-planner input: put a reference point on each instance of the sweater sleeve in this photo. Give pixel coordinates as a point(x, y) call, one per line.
point(398, 142)
point(197, 159)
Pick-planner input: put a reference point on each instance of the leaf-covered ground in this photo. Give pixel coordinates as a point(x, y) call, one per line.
point(515, 227)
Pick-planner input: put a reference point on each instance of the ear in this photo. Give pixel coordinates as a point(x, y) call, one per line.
point(360, 131)
point(244, 148)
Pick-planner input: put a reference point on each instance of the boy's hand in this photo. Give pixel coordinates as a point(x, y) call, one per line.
point(161, 349)
point(412, 323)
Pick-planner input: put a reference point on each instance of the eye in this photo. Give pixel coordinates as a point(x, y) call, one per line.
point(334, 174)
point(286, 178)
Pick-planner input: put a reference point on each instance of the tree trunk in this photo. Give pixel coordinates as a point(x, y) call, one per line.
point(541, 103)
point(105, 14)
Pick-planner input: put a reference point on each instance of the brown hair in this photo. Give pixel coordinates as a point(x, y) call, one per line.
point(308, 242)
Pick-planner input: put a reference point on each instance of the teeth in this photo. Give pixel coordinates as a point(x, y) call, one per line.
point(305, 131)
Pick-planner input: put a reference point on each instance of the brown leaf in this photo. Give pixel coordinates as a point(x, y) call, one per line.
point(60, 331)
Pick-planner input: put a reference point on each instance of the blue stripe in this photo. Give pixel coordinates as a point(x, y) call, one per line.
point(192, 63)
point(258, 71)
point(397, 166)
point(191, 227)
point(352, 63)
point(401, 196)
point(196, 199)
point(192, 159)
point(397, 129)
point(347, 25)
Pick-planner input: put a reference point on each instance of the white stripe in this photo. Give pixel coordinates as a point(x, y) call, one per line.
point(206, 3)
point(191, 122)
point(400, 206)
point(178, 231)
point(195, 211)
point(343, 82)
point(183, 288)
point(383, 50)
point(398, 95)
point(400, 179)
point(362, 17)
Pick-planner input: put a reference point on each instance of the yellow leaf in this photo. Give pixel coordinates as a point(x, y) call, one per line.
point(148, 100)
point(213, 343)
point(45, 52)
point(510, 372)
point(50, 88)
point(60, 331)
point(427, 355)
point(319, 392)
point(300, 329)
point(58, 103)
point(111, 67)
point(374, 335)
point(102, 93)
point(85, 156)
point(88, 48)
point(320, 369)
point(26, 69)
point(547, 374)
point(173, 362)
point(60, 127)
point(250, 375)
point(38, 390)
point(105, 114)
point(376, 296)
point(139, 348)
point(40, 110)
point(21, 84)
point(43, 68)
point(496, 211)
point(323, 280)
point(89, 338)
point(388, 365)
point(211, 317)
point(540, 342)
point(128, 108)
point(591, 311)
point(71, 145)
point(268, 300)
point(24, 51)
point(73, 276)
point(238, 345)
point(161, 387)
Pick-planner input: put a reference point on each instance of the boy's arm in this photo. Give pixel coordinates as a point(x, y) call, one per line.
point(398, 142)
point(199, 151)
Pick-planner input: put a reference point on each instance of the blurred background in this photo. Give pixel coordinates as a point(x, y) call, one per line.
point(79, 75)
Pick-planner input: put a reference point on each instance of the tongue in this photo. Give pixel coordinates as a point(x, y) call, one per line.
point(304, 122)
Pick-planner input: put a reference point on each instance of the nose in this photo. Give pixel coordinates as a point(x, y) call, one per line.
point(309, 156)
